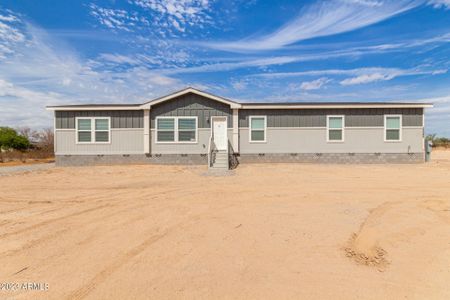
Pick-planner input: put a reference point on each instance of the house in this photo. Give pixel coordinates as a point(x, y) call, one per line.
point(195, 127)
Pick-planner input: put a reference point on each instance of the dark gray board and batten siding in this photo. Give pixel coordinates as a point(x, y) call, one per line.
point(119, 118)
point(192, 105)
point(354, 117)
point(203, 108)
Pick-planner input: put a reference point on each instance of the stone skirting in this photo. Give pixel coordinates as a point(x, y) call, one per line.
point(202, 159)
point(333, 158)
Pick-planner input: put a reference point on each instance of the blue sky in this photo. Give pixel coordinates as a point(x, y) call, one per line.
point(131, 51)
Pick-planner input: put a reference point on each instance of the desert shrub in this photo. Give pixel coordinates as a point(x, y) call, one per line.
point(10, 139)
point(438, 141)
point(24, 143)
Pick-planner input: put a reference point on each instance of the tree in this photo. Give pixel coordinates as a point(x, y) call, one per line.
point(44, 139)
point(9, 139)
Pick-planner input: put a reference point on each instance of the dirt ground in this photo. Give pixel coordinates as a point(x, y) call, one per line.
point(269, 231)
point(26, 162)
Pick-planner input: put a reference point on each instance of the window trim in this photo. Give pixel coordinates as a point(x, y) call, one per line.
point(250, 129)
point(400, 129)
point(93, 130)
point(328, 128)
point(176, 131)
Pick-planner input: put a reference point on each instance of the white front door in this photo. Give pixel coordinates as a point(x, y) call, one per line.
point(220, 132)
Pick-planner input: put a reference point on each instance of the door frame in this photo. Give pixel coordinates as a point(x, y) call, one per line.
point(226, 127)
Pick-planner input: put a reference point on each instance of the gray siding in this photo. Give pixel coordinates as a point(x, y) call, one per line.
point(192, 105)
point(119, 118)
point(201, 147)
point(314, 140)
point(372, 117)
point(123, 141)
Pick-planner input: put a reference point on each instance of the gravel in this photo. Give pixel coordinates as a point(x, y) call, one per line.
point(25, 168)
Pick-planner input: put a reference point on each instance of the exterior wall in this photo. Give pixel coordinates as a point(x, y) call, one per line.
point(201, 147)
point(292, 135)
point(123, 141)
point(119, 118)
point(192, 105)
point(314, 140)
point(367, 117)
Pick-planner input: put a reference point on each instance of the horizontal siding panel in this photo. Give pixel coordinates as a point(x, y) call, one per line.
point(125, 141)
point(201, 147)
point(314, 140)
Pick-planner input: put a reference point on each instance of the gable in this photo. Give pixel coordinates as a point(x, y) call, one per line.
point(191, 104)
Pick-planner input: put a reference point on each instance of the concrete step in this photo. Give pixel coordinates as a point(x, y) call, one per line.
point(224, 158)
point(220, 152)
point(219, 168)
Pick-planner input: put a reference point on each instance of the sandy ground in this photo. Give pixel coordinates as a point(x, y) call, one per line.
point(26, 162)
point(270, 231)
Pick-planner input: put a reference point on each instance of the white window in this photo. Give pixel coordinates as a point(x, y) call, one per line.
point(392, 128)
point(335, 128)
point(176, 129)
point(258, 126)
point(187, 129)
point(93, 130)
point(165, 129)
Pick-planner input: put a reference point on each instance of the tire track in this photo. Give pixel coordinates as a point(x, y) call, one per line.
point(119, 262)
point(100, 277)
point(37, 242)
point(53, 221)
point(56, 234)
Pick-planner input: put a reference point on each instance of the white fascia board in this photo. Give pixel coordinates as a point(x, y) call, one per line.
point(87, 108)
point(263, 106)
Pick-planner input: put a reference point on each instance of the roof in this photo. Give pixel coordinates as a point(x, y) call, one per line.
point(242, 105)
point(188, 90)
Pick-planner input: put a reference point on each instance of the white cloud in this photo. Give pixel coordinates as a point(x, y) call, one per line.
point(161, 17)
point(440, 3)
point(239, 85)
point(226, 66)
point(118, 58)
point(361, 75)
point(9, 36)
point(41, 72)
point(370, 3)
point(117, 19)
point(321, 19)
point(384, 74)
point(315, 84)
point(177, 14)
point(367, 78)
point(8, 18)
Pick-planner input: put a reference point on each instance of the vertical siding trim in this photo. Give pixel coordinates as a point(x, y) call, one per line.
point(236, 130)
point(147, 131)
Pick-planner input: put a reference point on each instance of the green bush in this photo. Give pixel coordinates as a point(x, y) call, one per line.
point(10, 139)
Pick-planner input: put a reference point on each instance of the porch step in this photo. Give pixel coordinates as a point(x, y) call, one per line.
point(221, 160)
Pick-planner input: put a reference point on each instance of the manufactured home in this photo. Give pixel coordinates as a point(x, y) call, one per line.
point(195, 127)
